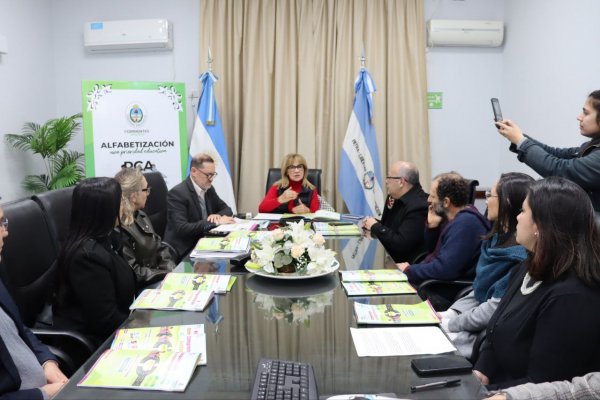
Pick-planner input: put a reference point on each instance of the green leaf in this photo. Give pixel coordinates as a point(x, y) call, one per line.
point(36, 183)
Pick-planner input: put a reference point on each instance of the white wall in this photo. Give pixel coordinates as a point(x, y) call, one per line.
point(462, 135)
point(45, 70)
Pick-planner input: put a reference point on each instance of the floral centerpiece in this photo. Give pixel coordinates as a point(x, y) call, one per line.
point(293, 310)
point(293, 249)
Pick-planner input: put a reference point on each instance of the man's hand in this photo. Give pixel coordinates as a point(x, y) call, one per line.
point(402, 266)
point(53, 373)
point(52, 388)
point(287, 196)
point(368, 222)
point(510, 130)
point(220, 219)
point(300, 208)
point(433, 219)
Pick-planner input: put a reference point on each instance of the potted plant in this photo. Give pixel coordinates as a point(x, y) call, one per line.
point(63, 167)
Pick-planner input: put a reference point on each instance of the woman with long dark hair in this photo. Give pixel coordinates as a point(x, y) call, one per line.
point(579, 164)
point(95, 285)
point(499, 255)
point(547, 325)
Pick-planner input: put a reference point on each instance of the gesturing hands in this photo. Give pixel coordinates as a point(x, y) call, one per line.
point(300, 208)
point(287, 196)
point(433, 219)
point(220, 219)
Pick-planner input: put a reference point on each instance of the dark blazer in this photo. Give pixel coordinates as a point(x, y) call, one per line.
point(550, 334)
point(10, 381)
point(401, 227)
point(96, 289)
point(184, 216)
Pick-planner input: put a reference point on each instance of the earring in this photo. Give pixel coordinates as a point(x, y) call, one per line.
point(535, 234)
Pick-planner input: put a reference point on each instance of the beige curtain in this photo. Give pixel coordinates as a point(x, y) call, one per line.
point(287, 71)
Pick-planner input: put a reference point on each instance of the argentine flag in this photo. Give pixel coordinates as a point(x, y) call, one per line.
point(360, 169)
point(208, 138)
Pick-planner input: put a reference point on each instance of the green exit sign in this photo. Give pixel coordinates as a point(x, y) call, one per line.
point(434, 100)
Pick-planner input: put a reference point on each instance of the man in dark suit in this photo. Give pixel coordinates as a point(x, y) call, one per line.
point(401, 227)
point(194, 208)
point(28, 370)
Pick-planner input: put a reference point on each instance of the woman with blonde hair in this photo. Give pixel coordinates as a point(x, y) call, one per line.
point(141, 246)
point(293, 193)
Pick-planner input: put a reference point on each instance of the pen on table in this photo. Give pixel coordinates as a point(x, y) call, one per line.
point(434, 385)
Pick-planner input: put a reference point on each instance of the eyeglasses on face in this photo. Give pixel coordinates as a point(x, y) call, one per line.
point(210, 176)
point(295, 167)
point(147, 190)
point(489, 194)
point(394, 177)
point(4, 222)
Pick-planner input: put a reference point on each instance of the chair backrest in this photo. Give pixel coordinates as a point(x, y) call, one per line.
point(473, 183)
point(28, 258)
point(313, 176)
point(56, 204)
point(156, 204)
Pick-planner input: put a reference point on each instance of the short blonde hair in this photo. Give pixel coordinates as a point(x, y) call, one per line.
point(293, 159)
point(131, 181)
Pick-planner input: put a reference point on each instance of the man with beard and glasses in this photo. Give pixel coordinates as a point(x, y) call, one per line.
point(452, 236)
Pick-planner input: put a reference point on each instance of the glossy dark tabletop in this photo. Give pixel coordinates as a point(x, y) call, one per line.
point(303, 320)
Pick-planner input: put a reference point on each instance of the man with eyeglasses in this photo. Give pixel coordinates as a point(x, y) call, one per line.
point(401, 227)
point(194, 208)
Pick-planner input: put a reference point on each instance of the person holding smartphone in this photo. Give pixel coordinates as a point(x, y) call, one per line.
point(578, 164)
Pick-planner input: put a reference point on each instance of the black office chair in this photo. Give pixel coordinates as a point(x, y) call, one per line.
point(473, 183)
point(156, 204)
point(29, 273)
point(56, 204)
point(313, 176)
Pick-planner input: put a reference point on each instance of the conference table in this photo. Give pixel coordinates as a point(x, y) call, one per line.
point(302, 320)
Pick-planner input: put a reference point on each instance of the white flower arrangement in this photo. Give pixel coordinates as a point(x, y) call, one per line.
point(293, 310)
point(293, 249)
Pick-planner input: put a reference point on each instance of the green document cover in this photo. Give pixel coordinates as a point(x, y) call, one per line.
point(396, 314)
point(377, 288)
point(158, 299)
point(374, 275)
point(202, 282)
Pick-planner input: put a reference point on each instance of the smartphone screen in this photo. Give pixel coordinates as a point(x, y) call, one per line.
point(496, 108)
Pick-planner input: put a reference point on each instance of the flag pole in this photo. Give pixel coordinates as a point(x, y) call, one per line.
point(209, 61)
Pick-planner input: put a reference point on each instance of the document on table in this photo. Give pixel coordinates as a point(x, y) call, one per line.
point(404, 341)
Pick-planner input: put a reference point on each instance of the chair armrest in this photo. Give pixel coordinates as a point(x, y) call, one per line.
point(435, 282)
point(73, 336)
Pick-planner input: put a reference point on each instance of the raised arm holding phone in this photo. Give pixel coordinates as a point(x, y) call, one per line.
point(579, 164)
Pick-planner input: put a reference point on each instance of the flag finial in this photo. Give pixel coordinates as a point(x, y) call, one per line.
point(209, 60)
point(363, 58)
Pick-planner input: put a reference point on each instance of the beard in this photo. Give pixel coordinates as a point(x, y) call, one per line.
point(439, 210)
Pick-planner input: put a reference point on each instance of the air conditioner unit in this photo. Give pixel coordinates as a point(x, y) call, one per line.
point(128, 35)
point(468, 33)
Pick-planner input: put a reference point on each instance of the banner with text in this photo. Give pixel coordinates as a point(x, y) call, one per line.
point(135, 124)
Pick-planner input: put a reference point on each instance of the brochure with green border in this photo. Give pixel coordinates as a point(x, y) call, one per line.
point(202, 282)
point(377, 288)
point(158, 299)
point(374, 275)
point(142, 370)
point(327, 229)
point(396, 314)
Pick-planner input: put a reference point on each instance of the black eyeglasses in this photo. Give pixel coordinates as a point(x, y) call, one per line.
point(4, 222)
point(209, 176)
point(147, 190)
point(394, 177)
point(489, 194)
point(295, 167)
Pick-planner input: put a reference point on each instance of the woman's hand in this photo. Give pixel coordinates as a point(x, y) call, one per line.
point(482, 378)
point(497, 396)
point(300, 208)
point(287, 196)
point(510, 130)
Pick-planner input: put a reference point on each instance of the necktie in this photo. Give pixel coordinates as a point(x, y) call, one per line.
point(203, 205)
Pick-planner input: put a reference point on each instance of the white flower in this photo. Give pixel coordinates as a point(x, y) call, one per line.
point(318, 239)
point(297, 251)
point(277, 234)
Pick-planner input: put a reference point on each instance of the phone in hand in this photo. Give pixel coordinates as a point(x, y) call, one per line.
point(497, 111)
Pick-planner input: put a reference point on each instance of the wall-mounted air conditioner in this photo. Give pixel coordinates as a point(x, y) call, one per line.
point(468, 33)
point(128, 35)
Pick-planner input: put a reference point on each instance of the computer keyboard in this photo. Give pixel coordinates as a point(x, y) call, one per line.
point(284, 380)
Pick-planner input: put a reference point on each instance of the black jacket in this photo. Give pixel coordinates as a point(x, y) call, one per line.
point(95, 291)
point(184, 216)
point(143, 249)
point(401, 227)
